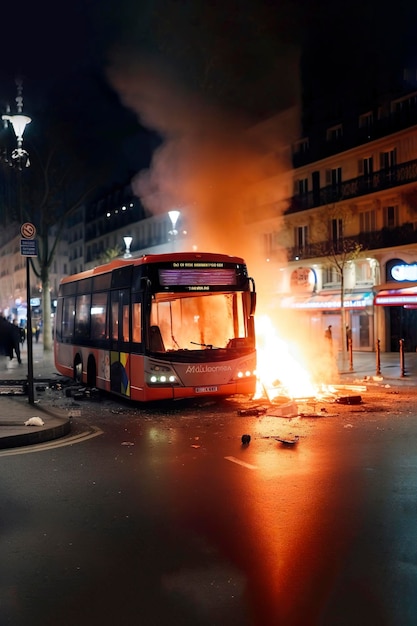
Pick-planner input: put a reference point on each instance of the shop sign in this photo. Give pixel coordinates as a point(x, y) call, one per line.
point(303, 279)
point(404, 271)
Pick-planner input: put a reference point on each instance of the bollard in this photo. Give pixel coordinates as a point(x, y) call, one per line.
point(402, 358)
point(350, 354)
point(378, 357)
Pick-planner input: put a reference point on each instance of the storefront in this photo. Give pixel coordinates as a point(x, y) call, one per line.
point(398, 296)
point(323, 309)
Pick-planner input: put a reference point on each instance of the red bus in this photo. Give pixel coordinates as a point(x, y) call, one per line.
point(159, 327)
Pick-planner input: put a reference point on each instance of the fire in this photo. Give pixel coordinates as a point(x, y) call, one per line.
point(278, 371)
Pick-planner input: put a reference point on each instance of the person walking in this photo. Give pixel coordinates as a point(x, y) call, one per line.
point(328, 337)
point(16, 340)
point(348, 337)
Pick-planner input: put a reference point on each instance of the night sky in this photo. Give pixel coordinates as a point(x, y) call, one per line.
point(242, 56)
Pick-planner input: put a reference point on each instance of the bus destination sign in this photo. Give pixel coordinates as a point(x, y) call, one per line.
point(198, 275)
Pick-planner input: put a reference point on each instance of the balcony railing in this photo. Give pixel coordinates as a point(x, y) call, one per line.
point(384, 238)
point(383, 179)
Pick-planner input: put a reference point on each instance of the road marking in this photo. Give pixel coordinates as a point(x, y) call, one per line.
point(55, 443)
point(233, 459)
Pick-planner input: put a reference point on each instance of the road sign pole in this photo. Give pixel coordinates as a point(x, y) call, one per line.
point(29, 335)
point(28, 248)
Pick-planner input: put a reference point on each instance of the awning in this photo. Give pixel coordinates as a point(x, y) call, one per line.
point(328, 301)
point(397, 297)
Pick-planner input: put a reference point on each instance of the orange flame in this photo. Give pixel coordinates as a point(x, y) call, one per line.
point(279, 372)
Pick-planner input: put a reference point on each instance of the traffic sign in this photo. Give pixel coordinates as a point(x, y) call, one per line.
point(28, 247)
point(28, 230)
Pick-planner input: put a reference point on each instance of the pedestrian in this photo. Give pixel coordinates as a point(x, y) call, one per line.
point(16, 340)
point(348, 336)
point(328, 333)
point(6, 338)
point(37, 332)
point(328, 338)
point(22, 330)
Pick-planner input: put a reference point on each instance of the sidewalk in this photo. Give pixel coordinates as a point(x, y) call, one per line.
point(15, 410)
point(392, 371)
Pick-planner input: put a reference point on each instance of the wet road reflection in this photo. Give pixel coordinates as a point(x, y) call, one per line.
point(285, 518)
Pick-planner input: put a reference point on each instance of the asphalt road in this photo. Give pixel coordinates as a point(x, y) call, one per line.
point(162, 517)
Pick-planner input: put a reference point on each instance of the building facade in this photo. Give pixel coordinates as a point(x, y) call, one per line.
point(349, 233)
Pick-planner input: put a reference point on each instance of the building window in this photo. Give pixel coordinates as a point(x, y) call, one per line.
point(366, 120)
point(366, 166)
point(363, 271)
point(302, 186)
point(334, 133)
point(367, 221)
point(301, 238)
point(301, 146)
point(404, 104)
point(330, 274)
point(388, 159)
point(334, 176)
point(336, 230)
point(391, 216)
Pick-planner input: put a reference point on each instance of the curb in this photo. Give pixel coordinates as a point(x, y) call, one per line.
point(33, 434)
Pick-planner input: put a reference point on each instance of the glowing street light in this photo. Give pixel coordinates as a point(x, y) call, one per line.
point(21, 156)
point(128, 241)
point(19, 123)
point(173, 216)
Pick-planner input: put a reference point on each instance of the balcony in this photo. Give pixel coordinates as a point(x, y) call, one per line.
point(384, 238)
point(355, 187)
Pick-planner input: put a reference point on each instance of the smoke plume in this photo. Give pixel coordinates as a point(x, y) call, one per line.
point(212, 163)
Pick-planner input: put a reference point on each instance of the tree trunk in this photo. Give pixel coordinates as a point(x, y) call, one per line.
point(343, 323)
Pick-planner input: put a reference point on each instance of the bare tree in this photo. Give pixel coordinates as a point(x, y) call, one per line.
point(339, 251)
point(53, 189)
point(110, 254)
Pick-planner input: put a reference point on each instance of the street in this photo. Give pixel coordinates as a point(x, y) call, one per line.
point(166, 517)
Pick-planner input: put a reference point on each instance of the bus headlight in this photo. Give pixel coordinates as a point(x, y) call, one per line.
point(161, 375)
point(246, 370)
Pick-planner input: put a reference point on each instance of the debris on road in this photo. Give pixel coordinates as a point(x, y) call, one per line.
point(34, 421)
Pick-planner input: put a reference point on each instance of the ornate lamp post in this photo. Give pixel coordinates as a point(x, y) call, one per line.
point(19, 123)
point(173, 216)
point(20, 158)
point(128, 240)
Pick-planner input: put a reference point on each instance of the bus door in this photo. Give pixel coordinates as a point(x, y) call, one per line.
point(120, 342)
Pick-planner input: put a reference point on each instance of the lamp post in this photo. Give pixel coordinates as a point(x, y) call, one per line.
point(20, 158)
point(19, 122)
point(173, 216)
point(128, 241)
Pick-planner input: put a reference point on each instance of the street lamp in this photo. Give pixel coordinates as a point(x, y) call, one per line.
point(21, 157)
point(128, 241)
point(173, 216)
point(19, 123)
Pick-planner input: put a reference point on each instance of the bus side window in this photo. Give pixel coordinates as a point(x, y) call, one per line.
point(82, 316)
point(125, 322)
point(136, 322)
point(115, 320)
point(98, 316)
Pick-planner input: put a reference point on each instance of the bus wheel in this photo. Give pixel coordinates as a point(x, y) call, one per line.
point(78, 370)
point(91, 372)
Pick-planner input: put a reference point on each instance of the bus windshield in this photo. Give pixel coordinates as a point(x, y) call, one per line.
point(197, 322)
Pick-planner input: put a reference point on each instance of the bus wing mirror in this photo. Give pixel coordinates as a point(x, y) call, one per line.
point(250, 303)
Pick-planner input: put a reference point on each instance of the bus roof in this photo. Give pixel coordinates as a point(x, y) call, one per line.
point(153, 258)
